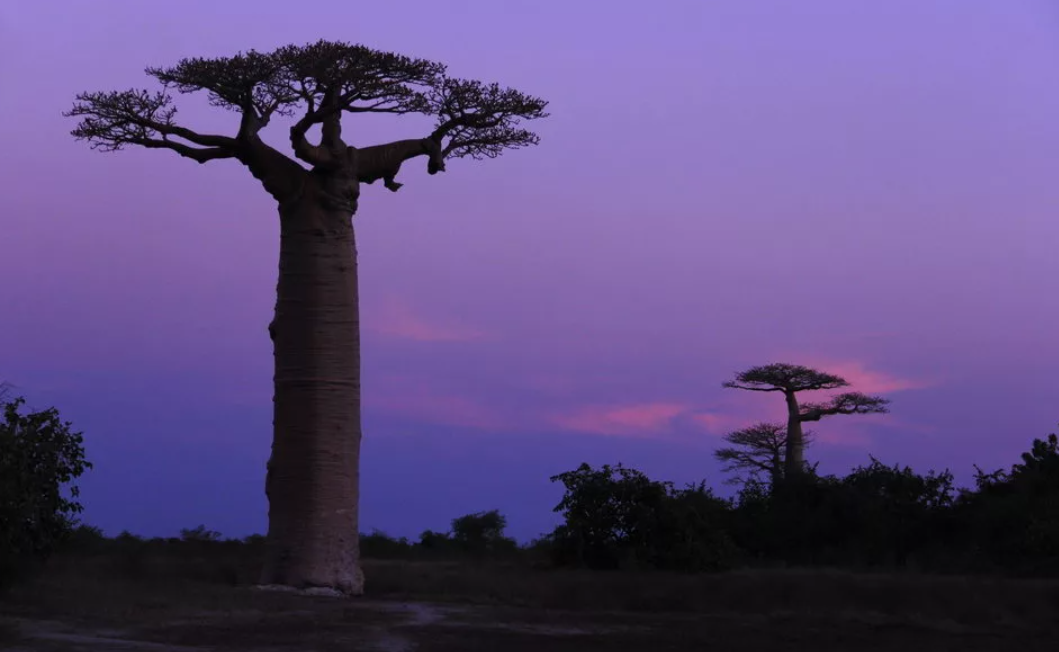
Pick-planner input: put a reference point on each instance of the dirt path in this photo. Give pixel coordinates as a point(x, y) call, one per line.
point(376, 626)
point(369, 626)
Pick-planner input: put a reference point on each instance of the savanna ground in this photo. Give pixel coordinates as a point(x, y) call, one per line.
point(201, 598)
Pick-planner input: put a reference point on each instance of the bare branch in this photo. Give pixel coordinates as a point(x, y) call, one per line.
point(384, 161)
point(330, 153)
point(201, 155)
point(761, 448)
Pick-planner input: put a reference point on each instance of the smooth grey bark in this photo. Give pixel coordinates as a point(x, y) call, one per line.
point(312, 482)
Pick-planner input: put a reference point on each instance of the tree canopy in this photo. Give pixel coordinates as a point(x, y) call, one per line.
point(318, 82)
point(791, 379)
point(780, 377)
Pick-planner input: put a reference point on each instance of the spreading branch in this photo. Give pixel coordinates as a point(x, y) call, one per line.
point(336, 78)
point(754, 449)
point(761, 448)
point(848, 403)
point(322, 81)
point(481, 120)
point(254, 84)
point(111, 120)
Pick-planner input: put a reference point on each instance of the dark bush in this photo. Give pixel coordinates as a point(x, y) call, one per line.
point(40, 457)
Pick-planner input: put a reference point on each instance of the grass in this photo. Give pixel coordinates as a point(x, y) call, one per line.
point(199, 595)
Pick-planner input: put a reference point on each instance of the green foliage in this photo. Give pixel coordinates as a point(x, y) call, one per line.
point(40, 457)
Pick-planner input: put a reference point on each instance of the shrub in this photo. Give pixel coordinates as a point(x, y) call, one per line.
point(40, 457)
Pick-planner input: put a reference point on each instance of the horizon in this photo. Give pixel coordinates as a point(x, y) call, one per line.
point(866, 192)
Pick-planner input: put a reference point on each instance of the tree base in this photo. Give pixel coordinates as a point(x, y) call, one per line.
point(344, 584)
point(317, 591)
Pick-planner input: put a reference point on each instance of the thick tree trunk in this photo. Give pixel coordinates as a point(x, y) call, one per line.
point(794, 463)
point(313, 475)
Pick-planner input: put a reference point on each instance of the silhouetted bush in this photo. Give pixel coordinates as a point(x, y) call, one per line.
point(617, 517)
point(892, 514)
point(1011, 519)
point(875, 517)
point(482, 534)
point(379, 545)
point(199, 534)
point(40, 457)
point(85, 538)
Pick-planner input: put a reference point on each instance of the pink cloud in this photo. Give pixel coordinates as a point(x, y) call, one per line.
point(720, 423)
point(866, 380)
point(636, 420)
point(441, 409)
point(396, 318)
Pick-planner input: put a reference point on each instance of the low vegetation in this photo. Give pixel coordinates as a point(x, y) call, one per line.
point(882, 546)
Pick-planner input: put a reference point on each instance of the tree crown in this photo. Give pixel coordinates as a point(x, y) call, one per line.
point(781, 377)
point(323, 80)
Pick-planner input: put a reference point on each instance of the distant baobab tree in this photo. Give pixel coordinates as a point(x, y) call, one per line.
point(312, 481)
point(791, 379)
point(760, 448)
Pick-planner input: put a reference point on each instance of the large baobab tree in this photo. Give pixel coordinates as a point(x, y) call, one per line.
point(790, 380)
point(313, 472)
point(760, 448)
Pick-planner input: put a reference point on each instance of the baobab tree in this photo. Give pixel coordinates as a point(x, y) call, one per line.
point(312, 479)
point(790, 380)
point(760, 448)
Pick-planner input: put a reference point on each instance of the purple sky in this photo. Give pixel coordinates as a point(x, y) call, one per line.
point(865, 187)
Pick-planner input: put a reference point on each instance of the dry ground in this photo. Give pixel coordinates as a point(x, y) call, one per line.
point(164, 605)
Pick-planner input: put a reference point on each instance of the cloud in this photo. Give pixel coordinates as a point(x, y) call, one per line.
point(411, 397)
point(739, 409)
point(638, 419)
point(439, 409)
point(866, 380)
point(395, 318)
point(719, 423)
